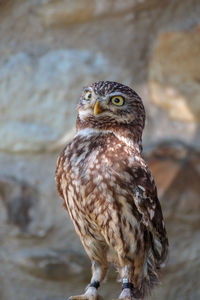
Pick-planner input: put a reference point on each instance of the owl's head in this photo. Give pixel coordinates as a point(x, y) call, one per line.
point(107, 105)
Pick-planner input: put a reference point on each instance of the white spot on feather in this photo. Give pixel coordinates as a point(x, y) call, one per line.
point(152, 213)
point(141, 187)
point(125, 140)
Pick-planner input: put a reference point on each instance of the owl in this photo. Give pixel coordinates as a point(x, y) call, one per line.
point(109, 191)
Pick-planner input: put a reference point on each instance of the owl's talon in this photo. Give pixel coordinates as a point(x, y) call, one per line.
point(128, 298)
point(86, 297)
point(127, 294)
point(83, 297)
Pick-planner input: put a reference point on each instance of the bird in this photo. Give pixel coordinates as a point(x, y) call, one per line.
point(109, 192)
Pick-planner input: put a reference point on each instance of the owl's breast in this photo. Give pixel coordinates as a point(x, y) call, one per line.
point(96, 168)
point(97, 184)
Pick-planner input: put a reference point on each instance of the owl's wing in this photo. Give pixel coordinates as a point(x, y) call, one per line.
point(148, 205)
point(60, 175)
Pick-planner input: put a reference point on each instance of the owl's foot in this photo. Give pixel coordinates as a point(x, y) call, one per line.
point(127, 298)
point(127, 294)
point(90, 294)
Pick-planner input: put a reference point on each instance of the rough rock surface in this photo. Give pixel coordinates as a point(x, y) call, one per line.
point(66, 12)
point(174, 70)
point(124, 33)
point(19, 200)
point(175, 168)
point(48, 51)
point(53, 264)
point(39, 95)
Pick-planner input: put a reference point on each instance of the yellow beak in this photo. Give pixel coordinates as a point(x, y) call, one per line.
point(97, 108)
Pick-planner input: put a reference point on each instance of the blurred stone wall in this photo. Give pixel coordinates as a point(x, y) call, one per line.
point(49, 50)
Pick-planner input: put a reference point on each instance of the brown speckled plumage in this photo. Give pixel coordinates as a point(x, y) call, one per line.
point(109, 191)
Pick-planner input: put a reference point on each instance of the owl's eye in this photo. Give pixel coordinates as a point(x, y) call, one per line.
point(88, 95)
point(117, 100)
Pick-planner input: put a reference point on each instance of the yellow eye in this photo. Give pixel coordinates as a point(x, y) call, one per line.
point(88, 95)
point(117, 100)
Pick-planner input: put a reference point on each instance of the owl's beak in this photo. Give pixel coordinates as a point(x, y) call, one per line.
point(97, 108)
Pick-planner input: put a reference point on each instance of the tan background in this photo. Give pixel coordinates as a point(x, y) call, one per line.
point(49, 50)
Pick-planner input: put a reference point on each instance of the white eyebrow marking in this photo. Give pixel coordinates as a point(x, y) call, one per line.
point(117, 93)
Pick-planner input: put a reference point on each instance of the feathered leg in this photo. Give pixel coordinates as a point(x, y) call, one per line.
point(130, 281)
point(99, 270)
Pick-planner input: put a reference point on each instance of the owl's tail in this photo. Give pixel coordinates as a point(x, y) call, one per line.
point(155, 261)
point(149, 281)
point(159, 247)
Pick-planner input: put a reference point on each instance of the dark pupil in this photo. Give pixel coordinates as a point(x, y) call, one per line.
point(117, 100)
point(89, 95)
